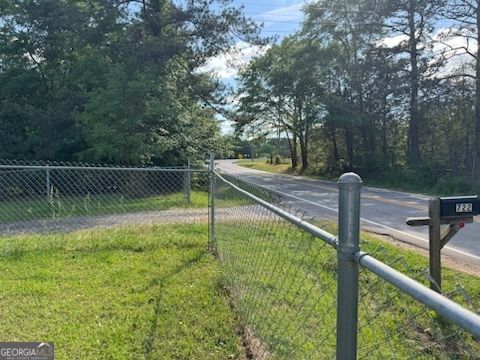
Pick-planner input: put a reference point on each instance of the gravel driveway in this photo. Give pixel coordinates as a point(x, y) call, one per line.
point(68, 224)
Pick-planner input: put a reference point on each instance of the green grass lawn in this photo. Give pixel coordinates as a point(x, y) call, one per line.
point(12, 211)
point(155, 292)
point(149, 292)
point(283, 285)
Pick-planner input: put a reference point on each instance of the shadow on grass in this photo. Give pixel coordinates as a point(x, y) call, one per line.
point(162, 282)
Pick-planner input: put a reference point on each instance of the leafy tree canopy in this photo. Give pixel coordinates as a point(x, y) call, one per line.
point(112, 80)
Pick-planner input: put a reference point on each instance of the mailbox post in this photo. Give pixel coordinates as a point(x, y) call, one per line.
point(434, 244)
point(454, 213)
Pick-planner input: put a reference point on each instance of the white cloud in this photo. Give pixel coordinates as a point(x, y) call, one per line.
point(455, 46)
point(286, 13)
point(392, 41)
point(452, 39)
point(226, 65)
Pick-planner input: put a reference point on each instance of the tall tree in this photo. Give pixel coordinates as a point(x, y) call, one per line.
point(412, 21)
point(44, 47)
point(464, 19)
point(111, 80)
point(286, 88)
point(350, 30)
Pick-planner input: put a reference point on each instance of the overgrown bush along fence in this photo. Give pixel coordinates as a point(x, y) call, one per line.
point(302, 293)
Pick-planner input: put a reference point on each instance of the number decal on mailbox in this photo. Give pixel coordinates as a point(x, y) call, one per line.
point(463, 208)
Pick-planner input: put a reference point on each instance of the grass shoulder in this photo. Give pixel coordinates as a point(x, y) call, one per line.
point(262, 164)
point(420, 180)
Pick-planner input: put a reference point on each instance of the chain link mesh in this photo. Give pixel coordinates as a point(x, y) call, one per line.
point(92, 258)
point(282, 280)
point(60, 197)
point(395, 326)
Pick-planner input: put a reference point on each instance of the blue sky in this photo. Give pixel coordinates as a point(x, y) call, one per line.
point(279, 19)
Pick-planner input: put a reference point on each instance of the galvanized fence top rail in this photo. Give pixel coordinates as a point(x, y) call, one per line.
point(311, 229)
point(447, 308)
point(452, 311)
point(102, 168)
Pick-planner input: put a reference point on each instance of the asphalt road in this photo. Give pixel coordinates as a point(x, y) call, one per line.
point(383, 211)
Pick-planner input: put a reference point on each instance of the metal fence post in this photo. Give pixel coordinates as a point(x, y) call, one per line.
point(211, 167)
point(435, 245)
point(187, 186)
point(47, 185)
point(349, 185)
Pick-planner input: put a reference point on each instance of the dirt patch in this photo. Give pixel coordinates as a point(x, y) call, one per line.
point(74, 223)
point(456, 263)
point(180, 216)
point(256, 349)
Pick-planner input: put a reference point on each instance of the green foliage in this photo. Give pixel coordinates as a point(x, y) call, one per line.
point(362, 87)
point(281, 90)
point(278, 160)
point(110, 81)
point(435, 180)
point(265, 149)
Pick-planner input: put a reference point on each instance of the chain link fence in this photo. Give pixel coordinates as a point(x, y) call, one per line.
point(281, 279)
point(46, 197)
point(393, 325)
point(92, 258)
point(283, 275)
point(292, 285)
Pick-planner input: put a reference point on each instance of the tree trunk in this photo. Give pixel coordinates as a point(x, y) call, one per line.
point(290, 147)
point(336, 157)
point(467, 163)
point(368, 142)
point(349, 145)
point(476, 140)
point(295, 152)
point(413, 151)
point(304, 152)
point(384, 140)
point(394, 144)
